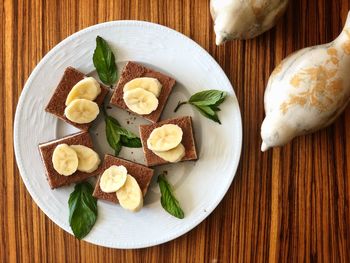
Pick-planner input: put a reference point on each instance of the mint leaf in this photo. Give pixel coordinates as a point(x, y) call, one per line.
point(113, 120)
point(117, 149)
point(82, 209)
point(209, 113)
point(206, 102)
point(125, 132)
point(206, 109)
point(131, 142)
point(207, 97)
point(215, 108)
point(104, 62)
point(220, 101)
point(113, 137)
point(168, 200)
point(118, 136)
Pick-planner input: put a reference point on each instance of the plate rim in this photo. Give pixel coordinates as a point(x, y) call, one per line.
point(42, 62)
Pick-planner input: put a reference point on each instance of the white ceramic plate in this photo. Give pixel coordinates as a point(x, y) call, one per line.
point(199, 186)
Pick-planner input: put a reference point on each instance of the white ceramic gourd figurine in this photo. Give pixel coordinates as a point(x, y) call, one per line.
point(307, 91)
point(244, 19)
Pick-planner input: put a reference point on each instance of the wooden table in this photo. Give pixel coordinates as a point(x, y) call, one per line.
point(289, 204)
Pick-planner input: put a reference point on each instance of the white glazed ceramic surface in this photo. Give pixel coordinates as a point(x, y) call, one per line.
point(199, 186)
point(237, 19)
point(307, 91)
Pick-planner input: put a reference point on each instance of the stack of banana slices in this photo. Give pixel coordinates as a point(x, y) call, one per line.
point(80, 105)
point(116, 179)
point(67, 159)
point(165, 142)
point(141, 95)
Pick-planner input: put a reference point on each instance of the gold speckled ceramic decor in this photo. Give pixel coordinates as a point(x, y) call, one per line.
point(307, 91)
point(237, 19)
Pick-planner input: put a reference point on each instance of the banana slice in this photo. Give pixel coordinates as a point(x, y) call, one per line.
point(64, 160)
point(87, 88)
point(82, 111)
point(88, 159)
point(174, 155)
point(113, 178)
point(150, 84)
point(140, 101)
point(130, 195)
point(165, 138)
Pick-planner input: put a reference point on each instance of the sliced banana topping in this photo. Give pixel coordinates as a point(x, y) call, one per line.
point(88, 159)
point(64, 160)
point(150, 84)
point(165, 138)
point(82, 111)
point(140, 101)
point(88, 88)
point(130, 195)
point(174, 155)
point(113, 178)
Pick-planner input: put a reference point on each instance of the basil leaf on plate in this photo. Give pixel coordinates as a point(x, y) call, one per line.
point(207, 97)
point(209, 113)
point(117, 149)
point(125, 132)
point(118, 136)
point(82, 209)
point(130, 142)
point(168, 200)
point(206, 109)
point(104, 62)
point(215, 108)
point(113, 137)
point(128, 138)
point(206, 102)
point(113, 120)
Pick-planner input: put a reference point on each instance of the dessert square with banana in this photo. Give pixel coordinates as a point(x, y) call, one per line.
point(70, 159)
point(142, 91)
point(168, 141)
point(139, 172)
point(76, 99)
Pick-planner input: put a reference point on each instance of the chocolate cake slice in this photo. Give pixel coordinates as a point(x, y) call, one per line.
point(142, 174)
point(133, 70)
point(46, 151)
point(185, 123)
point(56, 105)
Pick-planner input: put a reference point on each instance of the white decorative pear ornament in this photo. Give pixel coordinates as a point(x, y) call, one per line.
point(244, 19)
point(307, 91)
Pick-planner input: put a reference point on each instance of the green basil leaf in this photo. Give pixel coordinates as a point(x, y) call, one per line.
point(206, 102)
point(209, 113)
point(125, 132)
point(104, 62)
point(114, 121)
point(220, 101)
point(206, 109)
point(130, 142)
point(215, 108)
point(113, 137)
point(168, 200)
point(207, 97)
point(117, 149)
point(118, 136)
point(82, 209)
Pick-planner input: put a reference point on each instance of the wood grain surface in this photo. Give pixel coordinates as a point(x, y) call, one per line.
point(286, 205)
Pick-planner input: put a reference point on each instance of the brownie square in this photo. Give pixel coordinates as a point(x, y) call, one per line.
point(56, 105)
point(185, 123)
point(142, 174)
point(133, 70)
point(46, 151)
